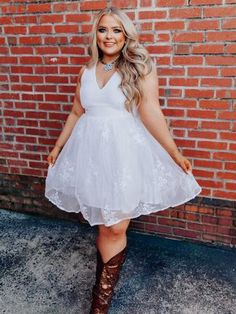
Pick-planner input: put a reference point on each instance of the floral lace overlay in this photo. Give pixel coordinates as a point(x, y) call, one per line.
point(66, 171)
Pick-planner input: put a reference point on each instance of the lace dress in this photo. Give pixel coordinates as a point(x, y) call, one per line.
point(111, 167)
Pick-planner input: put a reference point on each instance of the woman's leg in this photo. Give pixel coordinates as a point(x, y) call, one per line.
point(111, 240)
point(111, 253)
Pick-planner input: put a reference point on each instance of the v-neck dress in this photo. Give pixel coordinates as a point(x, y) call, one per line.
point(111, 168)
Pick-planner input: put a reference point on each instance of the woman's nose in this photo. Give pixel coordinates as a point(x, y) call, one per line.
point(109, 35)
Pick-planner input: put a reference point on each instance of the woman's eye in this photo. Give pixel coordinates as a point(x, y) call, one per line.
point(117, 30)
point(101, 30)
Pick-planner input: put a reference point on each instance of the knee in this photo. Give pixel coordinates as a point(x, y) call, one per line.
point(114, 231)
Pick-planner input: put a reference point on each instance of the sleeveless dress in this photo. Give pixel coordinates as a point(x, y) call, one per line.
point(111, 168)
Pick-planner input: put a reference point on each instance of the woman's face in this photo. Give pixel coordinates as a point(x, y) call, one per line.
point(110, 36)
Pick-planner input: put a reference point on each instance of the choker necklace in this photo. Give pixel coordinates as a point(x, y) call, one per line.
point(109, 66)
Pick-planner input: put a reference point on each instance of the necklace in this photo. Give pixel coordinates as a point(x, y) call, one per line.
point(108, 66)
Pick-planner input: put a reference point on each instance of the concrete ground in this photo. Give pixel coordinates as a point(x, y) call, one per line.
point(47, 266)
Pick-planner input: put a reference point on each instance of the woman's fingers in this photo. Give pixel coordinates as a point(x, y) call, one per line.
point(188, 165)
point(51, 159)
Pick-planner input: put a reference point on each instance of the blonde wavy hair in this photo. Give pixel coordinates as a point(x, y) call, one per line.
point(134, 62)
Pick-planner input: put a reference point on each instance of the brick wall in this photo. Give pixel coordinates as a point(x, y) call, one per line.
point(44, 43)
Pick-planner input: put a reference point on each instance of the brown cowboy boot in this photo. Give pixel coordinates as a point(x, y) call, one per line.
point(107, 275)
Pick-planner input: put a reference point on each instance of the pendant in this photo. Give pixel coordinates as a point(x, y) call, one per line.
point(108, 67)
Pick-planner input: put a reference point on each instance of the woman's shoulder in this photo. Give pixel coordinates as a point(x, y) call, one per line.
point(84, 67)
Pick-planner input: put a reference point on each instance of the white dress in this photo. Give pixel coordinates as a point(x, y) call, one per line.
point(111, 168)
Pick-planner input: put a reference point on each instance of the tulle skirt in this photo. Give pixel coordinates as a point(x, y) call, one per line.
point(111, 168)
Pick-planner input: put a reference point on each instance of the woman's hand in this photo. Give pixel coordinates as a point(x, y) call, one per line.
point(182, 161)
point(52, 157)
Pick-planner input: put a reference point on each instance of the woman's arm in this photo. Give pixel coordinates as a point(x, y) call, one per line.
point(154, 120)
point(76, 111)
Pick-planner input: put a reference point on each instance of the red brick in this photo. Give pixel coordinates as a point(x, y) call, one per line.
point(230, 166)
point(224, 156)
point(226, 175)
point(202, 134)
point(206, 210)
point(196, 153)
point(184, 123)
point(8, 60)
point(219, 12)
point(169, 25)
point(31, 60)
point(209, 49)
point(51, 18)
point(204, 173)
point(214, 104)
point(208, 164)
point(229, 23)
point(220, 60)
point(199, 71)
point(92, 5)
point(67, 29)
point(210, 220)
point(207, 24)
point(40, 29)
point(172, 222)
point(47, 70)
point(215, 125)
point(16, 162)
point(146, 3)
point(45, 88)
point(204, 114)
point(185, 13)
point(191, 208)
point(226, 93)
point(78, 18)
point(231, 48)
point(6, 20)
point(205, 2)
point(188, 37)
point(186, 233)
point(30, 131)
point(15, 30)
point(158, 229)
point(183, 82)
point(51, 124)
point(36, 165)
point(230, 186)
point(31, 79)
point(72, 50)
point(221, 36)
point(224, 194)
point(227, 115)
point(170, 3)
point(152, 14)
point(185, 60)
point(228, 136)
point(31, 172)
point(64, 7)
point(185, 103)
point(22, 50)
point(124, 4)
point(39, 7)
point(28, 19)
point(30, 40)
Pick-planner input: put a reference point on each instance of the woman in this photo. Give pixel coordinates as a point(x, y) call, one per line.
point(118, 160)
